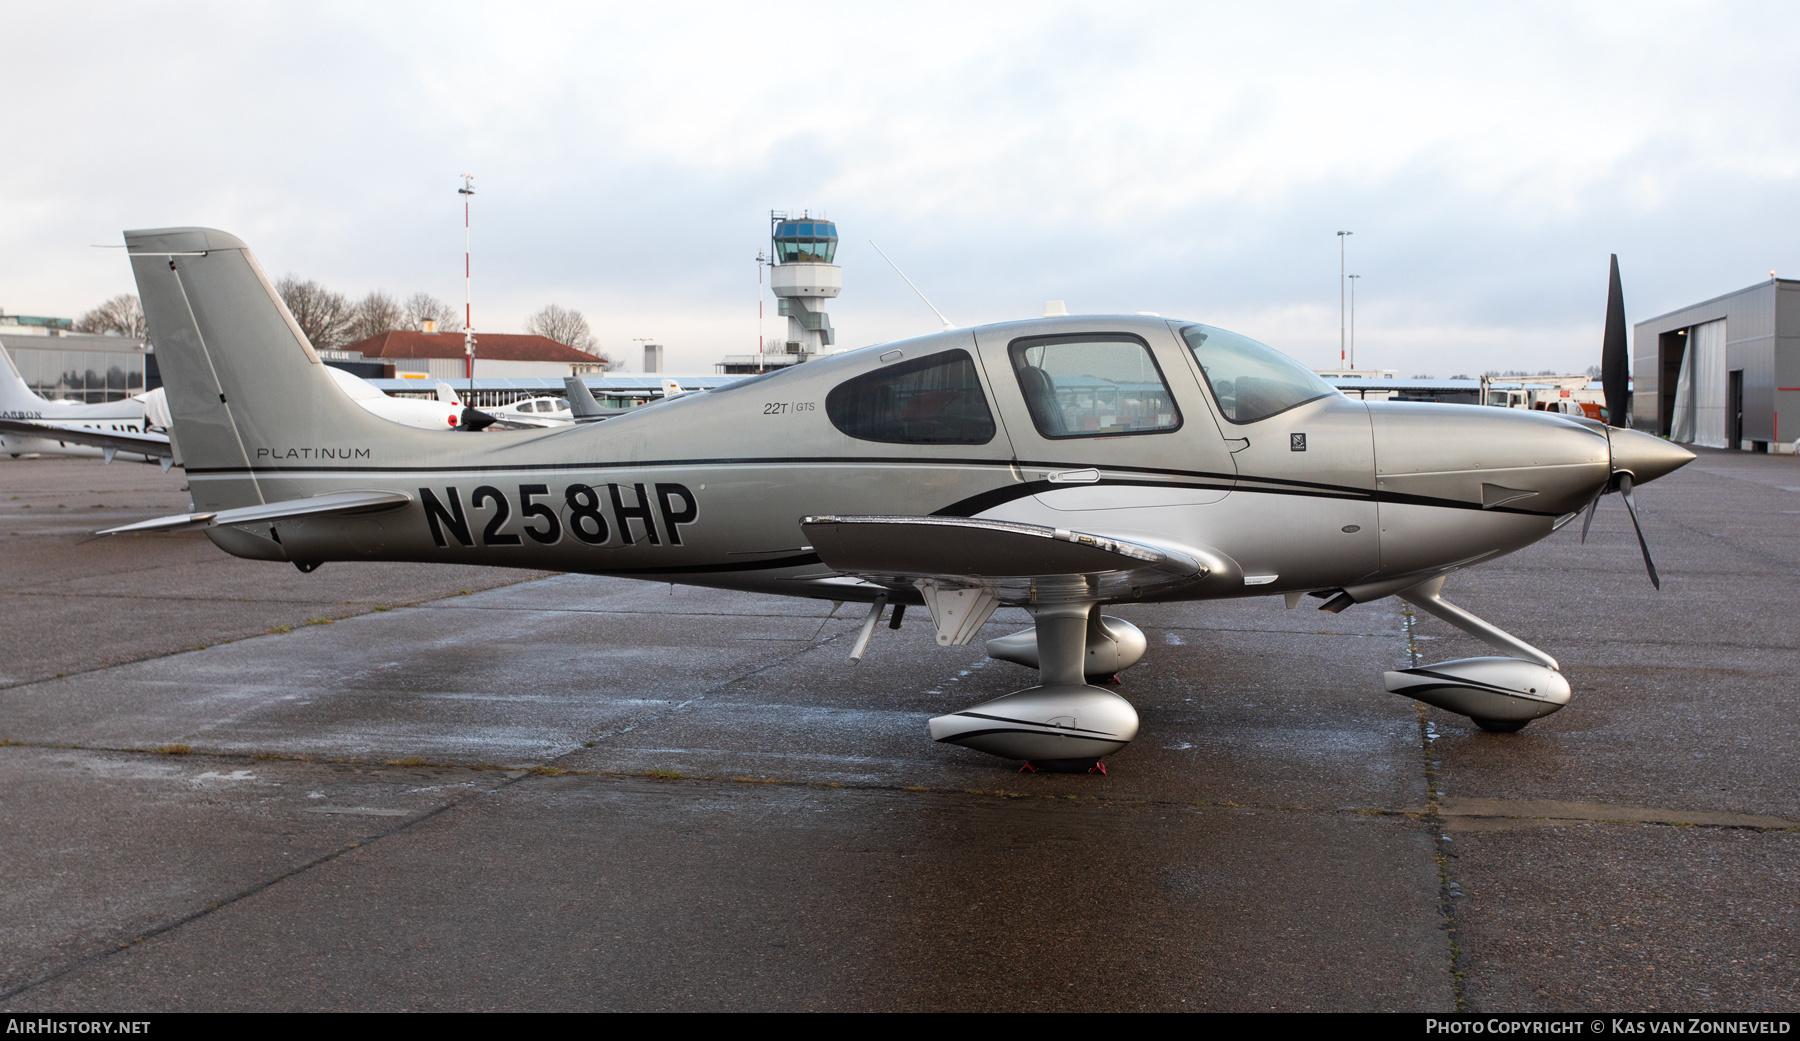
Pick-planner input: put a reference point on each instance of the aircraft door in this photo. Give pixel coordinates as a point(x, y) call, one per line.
point(1105, 420)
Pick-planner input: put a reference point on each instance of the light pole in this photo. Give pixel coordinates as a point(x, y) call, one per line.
point(467, 191)
point(1342, 235)
point(1353, 279)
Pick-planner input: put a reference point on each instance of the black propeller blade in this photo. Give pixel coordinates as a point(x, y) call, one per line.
point(474, 419)
point(1615, 363)
point(1631, 508)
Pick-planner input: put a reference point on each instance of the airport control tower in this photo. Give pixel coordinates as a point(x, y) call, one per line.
point(804, 277)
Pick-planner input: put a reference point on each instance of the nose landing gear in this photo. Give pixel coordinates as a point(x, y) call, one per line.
point(1500, 694)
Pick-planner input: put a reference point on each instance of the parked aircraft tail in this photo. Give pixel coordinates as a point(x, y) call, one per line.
point(16, 397)
point(246, 390)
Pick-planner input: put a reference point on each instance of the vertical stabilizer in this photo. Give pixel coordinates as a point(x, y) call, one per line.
point(247, 392)
point(15, 394)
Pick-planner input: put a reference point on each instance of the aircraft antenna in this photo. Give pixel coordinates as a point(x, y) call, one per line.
point(948, 324)
point(1342, 235)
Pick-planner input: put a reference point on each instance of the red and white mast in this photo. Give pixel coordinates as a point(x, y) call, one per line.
point(762, 257)
point(466, 191)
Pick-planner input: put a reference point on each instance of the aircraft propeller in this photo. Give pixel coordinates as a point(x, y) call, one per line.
point(1631, 450)
point(1623, 480)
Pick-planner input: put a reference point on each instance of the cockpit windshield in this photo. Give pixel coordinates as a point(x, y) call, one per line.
point(1251, 381)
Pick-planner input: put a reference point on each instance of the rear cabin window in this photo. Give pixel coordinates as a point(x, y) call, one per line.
point(934, 400)
point(1093, 385)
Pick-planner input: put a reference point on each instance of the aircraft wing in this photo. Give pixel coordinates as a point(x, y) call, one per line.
point(336, 502)
point(147, 443)
point(1000, 562)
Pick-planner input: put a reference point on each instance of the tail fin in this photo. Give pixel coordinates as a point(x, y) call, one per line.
point(15, 394)
point(447, 394)
point(246, 390)
point(581, 399)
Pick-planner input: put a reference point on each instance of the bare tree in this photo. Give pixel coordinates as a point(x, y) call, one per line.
point(373, 315)
point(566, 327)
point(423, 307)
point(324, 316)
point(122, 314)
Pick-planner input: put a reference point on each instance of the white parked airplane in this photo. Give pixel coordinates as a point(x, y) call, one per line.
point(535, 412)
point(444, 412)
point(34, 425)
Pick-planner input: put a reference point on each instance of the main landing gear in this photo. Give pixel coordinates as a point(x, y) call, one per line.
point(1065, 724)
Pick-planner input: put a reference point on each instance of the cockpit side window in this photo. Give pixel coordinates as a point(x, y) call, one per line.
point(934, 400)
point(1251, 381)
point(1093, 385)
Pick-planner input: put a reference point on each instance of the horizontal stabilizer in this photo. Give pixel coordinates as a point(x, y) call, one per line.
point(1021, 563)
point(336, 502)
point(147, 443)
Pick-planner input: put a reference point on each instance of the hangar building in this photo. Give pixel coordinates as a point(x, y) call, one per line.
point(1724, 373)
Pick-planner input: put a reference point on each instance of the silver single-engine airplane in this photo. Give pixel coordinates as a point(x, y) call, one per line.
point(1057, 465)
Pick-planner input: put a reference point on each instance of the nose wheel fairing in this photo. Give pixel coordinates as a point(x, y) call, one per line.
point(1500, 694)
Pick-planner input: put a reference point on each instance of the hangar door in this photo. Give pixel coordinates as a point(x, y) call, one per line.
point(1699, 417)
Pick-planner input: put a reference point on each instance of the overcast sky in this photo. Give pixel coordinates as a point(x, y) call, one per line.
point(1186, 159)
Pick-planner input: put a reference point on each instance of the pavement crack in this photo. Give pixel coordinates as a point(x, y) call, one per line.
point(669, 709)
point(1433, 819)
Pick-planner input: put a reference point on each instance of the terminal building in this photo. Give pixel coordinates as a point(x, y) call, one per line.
point(63, 365)
point(1722, 373)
